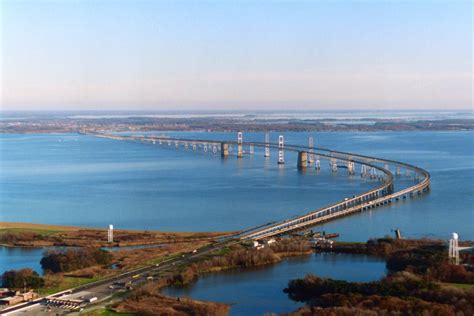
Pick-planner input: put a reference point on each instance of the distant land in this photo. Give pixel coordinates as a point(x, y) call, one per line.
point(364, 121)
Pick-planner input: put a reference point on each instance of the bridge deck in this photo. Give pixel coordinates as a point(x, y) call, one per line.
point(380, 195)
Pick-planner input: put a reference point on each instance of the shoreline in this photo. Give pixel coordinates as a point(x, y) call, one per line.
point(32, 235)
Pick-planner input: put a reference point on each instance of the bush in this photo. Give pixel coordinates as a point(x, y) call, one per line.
point(74, 259)
point(18, 279)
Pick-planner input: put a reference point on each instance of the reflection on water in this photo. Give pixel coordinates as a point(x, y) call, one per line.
point(255, 291)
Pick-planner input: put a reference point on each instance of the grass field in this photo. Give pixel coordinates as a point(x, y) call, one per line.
point(67, 283)
point(42, 229)
point(460, 285)
point(108, 312)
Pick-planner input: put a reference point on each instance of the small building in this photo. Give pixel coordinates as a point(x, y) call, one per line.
point(18, 298)
point(4, 292)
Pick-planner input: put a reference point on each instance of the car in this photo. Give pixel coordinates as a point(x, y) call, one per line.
point(195, 250)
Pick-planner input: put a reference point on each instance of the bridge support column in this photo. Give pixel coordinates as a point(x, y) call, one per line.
point(240, 140)
point(224, 150)
point(302, 159)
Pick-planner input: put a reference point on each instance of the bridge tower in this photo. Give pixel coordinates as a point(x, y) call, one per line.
point(240, 140)
point(454, 249)
point(398, 172)
point(267, 145)
point(281, 152)
point(311, 150)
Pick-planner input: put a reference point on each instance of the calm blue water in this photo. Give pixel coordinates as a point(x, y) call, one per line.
point(87, 181)
point(20, 258)
point(260, 290)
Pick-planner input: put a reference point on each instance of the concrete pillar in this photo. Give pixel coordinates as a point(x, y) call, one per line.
point(224, 150)
point(302, 159)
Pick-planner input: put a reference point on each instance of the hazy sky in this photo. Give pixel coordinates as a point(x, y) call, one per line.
point(109, 54)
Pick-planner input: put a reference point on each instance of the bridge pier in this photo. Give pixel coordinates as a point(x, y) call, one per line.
point(240, 140)
point(224, 150)
point(302, 159)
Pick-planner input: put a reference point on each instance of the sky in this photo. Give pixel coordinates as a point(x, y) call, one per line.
point(235, 55)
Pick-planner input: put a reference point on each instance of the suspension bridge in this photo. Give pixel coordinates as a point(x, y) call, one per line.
point(308, 156)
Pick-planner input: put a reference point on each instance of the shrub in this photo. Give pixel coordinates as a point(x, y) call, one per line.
point(74, 259)
point(18, 279)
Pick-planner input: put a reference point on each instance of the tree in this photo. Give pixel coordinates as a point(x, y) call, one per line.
point(18, 279)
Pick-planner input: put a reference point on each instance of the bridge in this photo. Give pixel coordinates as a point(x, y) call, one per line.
point(373, 167)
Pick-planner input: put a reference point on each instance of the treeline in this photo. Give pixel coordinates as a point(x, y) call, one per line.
point(19, 279)
point(12, 238)
point(424, 257)
point(416, 267)
point(66, 260)
point(383, 247)
point(402, 293)
point(432, 263)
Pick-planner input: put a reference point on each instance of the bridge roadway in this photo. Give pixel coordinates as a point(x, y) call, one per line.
point(380, 195)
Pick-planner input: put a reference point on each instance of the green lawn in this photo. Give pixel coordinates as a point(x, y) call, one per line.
point(67, 283)
point(460, 285)
point(42, 232)
point(163, 258)
point(108, 312)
